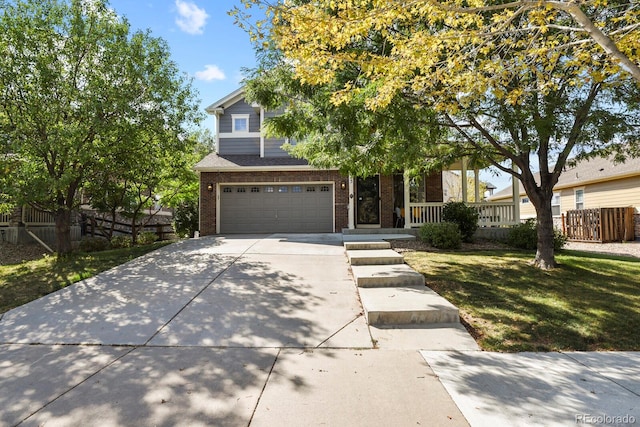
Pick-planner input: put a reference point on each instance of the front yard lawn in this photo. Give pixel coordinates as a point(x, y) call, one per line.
point(590, 302)
point(29, 280)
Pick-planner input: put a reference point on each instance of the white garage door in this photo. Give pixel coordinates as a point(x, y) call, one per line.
point(277, 208)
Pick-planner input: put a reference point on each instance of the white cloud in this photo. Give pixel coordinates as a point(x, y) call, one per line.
point(210, 73)
point(191, 19)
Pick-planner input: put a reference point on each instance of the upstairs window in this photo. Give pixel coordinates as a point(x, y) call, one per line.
point(240, 123)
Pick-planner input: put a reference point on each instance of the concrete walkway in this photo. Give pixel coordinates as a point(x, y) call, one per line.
point(264, 331)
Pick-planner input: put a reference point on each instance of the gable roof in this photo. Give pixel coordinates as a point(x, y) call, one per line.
point(225, 102)
point(589, 171)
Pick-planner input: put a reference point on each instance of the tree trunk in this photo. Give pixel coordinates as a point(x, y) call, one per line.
point(63, 232)
point(545, 257)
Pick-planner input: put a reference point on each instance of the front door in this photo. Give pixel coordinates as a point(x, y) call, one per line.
point(368, 202)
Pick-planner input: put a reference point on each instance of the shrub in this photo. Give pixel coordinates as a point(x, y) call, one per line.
point(525, 236)
point(185, 218)
point(121, 241)
point(94, 244)
point(465, 216)
point(444, 235)
point(147, 237)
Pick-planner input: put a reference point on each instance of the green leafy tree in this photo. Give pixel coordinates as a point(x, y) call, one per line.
point(182, 190)
point(80, 91)
point(525, 82)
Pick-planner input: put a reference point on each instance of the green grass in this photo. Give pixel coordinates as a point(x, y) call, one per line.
point(590, 302)
point(29, 280)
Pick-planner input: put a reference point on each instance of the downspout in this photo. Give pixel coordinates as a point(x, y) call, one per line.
point(261, 133)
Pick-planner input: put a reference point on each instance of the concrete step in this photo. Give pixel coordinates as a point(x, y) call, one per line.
point(376, 244)
point(406, 305)
point(373, 276)
point(374, 257)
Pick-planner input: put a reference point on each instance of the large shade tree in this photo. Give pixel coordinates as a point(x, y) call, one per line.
point(524, 82)
point(80, 93)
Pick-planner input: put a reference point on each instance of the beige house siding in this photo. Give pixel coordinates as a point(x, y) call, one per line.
point(610, 194)
point(527, 210)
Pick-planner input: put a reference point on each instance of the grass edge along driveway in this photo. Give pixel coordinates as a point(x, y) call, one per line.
point(30, 280)
point(590, 302)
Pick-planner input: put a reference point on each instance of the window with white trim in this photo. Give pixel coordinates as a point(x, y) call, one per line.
point(555, 205)
point(579, 194)
point(240, 123)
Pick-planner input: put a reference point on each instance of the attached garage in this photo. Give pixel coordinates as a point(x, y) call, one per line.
point(276, 208)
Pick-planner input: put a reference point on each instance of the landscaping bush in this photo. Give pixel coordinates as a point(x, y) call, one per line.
point(525, 236)
point(94, 244)
point(147, 237)
point(465, 216)
point(185, 218)
point(444, 235)
point(121, 241)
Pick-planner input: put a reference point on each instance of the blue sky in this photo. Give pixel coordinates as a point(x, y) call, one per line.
point(206, 45)
point(203, 39)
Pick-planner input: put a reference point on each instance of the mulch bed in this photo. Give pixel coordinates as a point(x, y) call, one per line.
point(15, 254)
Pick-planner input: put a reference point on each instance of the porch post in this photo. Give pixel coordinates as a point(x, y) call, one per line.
point(407, 199)
point(515, 186)
point(351, 208)
point(463, 176)
point(476, 183)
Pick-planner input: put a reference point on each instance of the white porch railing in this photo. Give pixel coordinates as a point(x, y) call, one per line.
point(5, 218)
point(31, 216)
point(494, 214)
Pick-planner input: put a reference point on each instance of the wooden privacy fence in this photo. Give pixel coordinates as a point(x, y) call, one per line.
point(599, 225)
point(99, 227)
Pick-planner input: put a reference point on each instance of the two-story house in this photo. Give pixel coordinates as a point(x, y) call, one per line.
point(251, 185)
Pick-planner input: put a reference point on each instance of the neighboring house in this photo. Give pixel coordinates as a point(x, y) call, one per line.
point(594, 183)
point(15, 225)
point(251, 185)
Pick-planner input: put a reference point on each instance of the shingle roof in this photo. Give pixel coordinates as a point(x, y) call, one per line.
point(215, 162)
point(587, 172)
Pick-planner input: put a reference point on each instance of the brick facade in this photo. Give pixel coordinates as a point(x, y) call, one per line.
point(341, 208)
point(208, 198)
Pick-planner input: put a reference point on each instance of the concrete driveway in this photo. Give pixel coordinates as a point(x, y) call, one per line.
point(269, 331)
point(245, 330)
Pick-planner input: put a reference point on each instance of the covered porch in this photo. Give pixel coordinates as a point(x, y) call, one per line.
point(418, 211)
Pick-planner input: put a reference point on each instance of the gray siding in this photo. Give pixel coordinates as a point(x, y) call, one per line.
point(272, 147)
point(249, 146)
point(240, 107)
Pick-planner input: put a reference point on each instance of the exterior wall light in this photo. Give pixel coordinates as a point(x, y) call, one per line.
point(343, 185)
point(210, 186)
